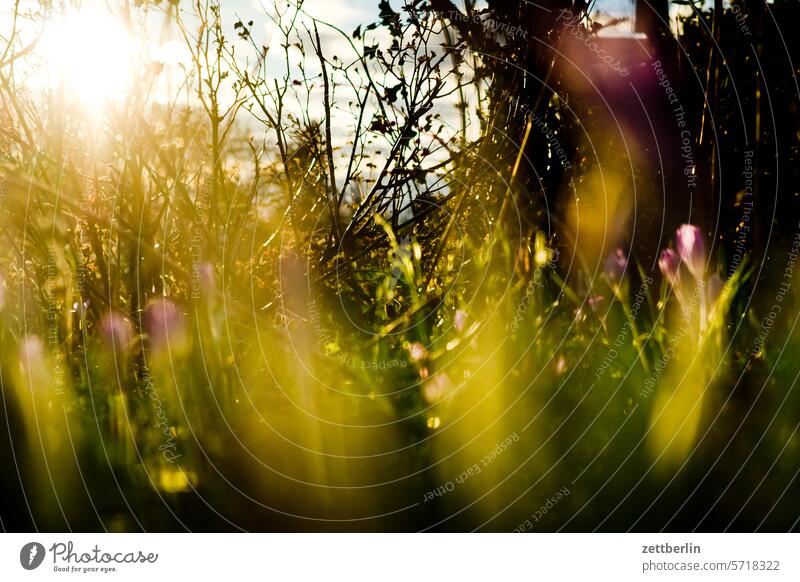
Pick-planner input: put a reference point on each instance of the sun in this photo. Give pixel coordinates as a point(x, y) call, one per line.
point(90, 52)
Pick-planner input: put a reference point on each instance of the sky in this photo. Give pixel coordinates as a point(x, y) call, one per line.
point(99, 74)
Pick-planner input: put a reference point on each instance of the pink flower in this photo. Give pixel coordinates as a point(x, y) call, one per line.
point(460, 320)
point(595, 302)
point(669, 262)
point(437, 388)
point(615, 266)
point(163, 322)
point(116, 329)
point(692, 249)
point(416, 352)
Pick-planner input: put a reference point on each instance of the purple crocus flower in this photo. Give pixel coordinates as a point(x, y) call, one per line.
point(163, 322)
point(436, 388)
point(116, 329)
point(417, 352)
point(460, 320)
point(596, 302)
point(669, 262)
point(561, 365)
point(615, 266)
point(692, 249)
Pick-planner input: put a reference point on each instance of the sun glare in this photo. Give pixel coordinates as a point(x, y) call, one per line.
point(90, 51)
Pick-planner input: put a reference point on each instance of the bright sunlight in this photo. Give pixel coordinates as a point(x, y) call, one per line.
point(91, 52)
